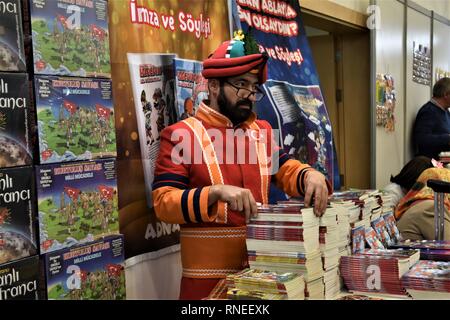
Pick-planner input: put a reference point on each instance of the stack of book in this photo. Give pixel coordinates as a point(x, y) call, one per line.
point(283, 228)
point(329, 241)
point(378, 271)
point(309, 264)
point(387, 202)
point(328, 238)
point(253, 284)
point(347, 211)
point(376, 213)
point(332, 285)
point(285, 238)
point(428, 280)
point(429, 249)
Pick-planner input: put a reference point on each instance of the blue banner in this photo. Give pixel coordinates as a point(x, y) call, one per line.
point(294, 102)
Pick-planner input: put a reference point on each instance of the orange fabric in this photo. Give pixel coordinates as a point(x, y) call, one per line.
point(166, 201)
point(261, 150)
point(213, 238)
point(420, 191)
point(209, 154)
point(212, 252)
point(287, 176)
point(210, 157)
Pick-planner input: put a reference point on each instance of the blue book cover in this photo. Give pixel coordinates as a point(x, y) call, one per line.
point(70, 38)
point(358, 239)
point(77, 203)
point(94, 271)
point(305, 128)
point(75, 119)
point(191, 88)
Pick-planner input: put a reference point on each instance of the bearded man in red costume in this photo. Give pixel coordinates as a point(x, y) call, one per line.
point(215, 167)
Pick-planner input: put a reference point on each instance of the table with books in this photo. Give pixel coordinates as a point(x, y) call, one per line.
point(353, 252)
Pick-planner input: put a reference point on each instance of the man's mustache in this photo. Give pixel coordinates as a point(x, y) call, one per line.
point(247, 103)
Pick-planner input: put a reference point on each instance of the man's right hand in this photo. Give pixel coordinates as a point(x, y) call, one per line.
point(238, 199)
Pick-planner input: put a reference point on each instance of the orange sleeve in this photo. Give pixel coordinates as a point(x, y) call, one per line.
point(173, 200)
point(291, 177)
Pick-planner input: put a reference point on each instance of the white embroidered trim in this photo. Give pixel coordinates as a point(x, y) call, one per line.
point(208, 272)
point(183, 231)
point(213, 237)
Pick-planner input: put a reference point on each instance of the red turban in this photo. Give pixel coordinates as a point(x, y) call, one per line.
point(231, 59)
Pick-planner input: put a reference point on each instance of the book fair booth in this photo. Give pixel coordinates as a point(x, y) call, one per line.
point(87, 88)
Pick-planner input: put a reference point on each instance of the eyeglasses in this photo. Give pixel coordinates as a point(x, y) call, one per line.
point(246, 93)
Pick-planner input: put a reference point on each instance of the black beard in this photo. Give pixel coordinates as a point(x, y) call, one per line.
point(236, 114)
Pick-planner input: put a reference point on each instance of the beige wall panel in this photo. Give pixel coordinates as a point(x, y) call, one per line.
point(441, 47)
point(418, 30)
point(357, 5)
point(389, 59)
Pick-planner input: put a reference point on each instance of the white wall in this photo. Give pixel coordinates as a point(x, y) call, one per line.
point(393, 150)
point(153, 279)
point(389, 59)
point(441, 47)
point(441, 7)
point(418, 30)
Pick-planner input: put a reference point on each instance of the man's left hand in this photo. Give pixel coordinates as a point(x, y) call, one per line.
point(316, 187)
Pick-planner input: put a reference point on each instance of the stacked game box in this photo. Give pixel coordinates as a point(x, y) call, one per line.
point(12, 56)
point(75, 119)
point(15, 146)
point(19, 280)
point(70, 39)
point(93, 271)
point(17, 218)
point(77, 203)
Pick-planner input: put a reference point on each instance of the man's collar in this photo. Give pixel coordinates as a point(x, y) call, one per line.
point(216, 119)
point(437, 104)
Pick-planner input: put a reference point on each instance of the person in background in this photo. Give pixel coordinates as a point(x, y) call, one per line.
point(431, 133)
point(415, 212)
point(405, 179)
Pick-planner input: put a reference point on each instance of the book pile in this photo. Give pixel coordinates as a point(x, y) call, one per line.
point(428, 280)
point(357, 297)
point(284, 228)
point(376, 213)
point(347, 212)
point(329, 241)
point(369, 201)
point(378, 271)
point(429, 249)
point(285, 238)
point(253, 284)
point(329, 236)
point(387, 202)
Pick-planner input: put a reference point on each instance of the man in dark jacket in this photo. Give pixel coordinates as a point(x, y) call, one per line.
point(432, 126)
